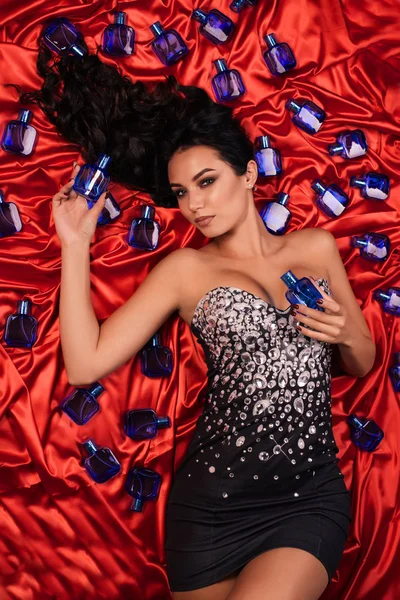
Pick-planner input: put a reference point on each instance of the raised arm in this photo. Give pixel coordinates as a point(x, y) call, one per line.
point(90, 351)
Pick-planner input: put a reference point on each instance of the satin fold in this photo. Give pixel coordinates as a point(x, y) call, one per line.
point(63, 536)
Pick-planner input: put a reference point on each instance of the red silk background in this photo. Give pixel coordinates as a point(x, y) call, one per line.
point(64, 537)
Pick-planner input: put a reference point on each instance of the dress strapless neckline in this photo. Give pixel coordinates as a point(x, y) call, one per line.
point(241, 290)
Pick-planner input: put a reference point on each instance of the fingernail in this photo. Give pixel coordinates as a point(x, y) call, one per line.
point(295, 306)
point(320, 301)
point(298, 327)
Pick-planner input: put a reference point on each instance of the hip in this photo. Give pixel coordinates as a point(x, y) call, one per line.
point(314, 490)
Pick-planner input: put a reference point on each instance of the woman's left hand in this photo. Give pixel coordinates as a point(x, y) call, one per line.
point(331, 326)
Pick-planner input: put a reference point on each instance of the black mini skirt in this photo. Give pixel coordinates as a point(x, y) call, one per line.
point(204, 544)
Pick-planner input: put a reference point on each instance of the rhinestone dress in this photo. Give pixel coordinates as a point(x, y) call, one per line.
point(264, 433)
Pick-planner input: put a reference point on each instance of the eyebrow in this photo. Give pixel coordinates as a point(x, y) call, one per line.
point(194, 178)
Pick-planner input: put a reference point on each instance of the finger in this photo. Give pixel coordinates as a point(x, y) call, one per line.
point(328, 302)
point(309, 326)
point(75, 169)
point(316, 335)
point(65, 189)
point(329, 307)
point(67, 186)
point(310, 315)
point(59, 197)
point(99, 205)
point(321, 321)
point(73, 195)
point(320, 288)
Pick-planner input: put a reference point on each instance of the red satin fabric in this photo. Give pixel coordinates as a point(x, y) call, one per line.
point(63, 536)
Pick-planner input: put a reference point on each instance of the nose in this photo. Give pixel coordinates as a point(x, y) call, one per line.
point(196, 201)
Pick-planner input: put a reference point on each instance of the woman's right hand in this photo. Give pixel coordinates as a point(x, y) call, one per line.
point(74, 221)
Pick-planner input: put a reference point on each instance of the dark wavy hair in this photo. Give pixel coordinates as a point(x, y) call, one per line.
point(100, 110)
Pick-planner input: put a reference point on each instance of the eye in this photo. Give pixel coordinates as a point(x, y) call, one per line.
point(210, 179)
point(180, 193)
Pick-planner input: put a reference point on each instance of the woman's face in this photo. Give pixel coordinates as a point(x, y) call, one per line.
point(206, 186)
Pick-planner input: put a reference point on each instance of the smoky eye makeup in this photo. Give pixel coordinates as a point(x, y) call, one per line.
point(206, 179)
point(212, 179)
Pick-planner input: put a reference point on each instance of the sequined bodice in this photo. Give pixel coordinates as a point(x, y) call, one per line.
point(267, 413)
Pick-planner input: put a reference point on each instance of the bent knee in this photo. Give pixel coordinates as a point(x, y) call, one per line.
point(281, 574)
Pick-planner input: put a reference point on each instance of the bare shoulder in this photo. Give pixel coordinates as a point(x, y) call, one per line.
point(317, 236)
point(184, 255)
point(181, 262)
point(313, 244)
point(181, 268)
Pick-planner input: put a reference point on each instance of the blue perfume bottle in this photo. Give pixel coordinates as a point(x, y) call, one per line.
point(394, 372)
point(21, 327)
point(143, 423)
point(81, 405)
point(372, 185)
point(373, 246)
point(64, 38)
point(143, 485)
point(101, 463)
point(365, 433)
point(156, 360)
point(238, 5)
point(227, 84)
point(301, 291)
point(269, 162)
point(390, 300)
point(167, 45)
point(307, 115)
point(349, 144)
point(19, 137)
point(119, 38)
point(145, 231)
point(10, 220)
point(331, 199)
point(110, 212)
point(92, 180)
point(279, 58)
point(215, 26)
point(276, 216)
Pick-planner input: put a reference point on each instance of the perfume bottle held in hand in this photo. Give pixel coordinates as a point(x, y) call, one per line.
point(301, 291)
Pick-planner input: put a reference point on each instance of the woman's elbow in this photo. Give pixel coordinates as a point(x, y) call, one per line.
point(371, 361)
point(78, 380)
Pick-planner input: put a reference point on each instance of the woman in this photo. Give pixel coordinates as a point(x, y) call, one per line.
point(258, 508)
